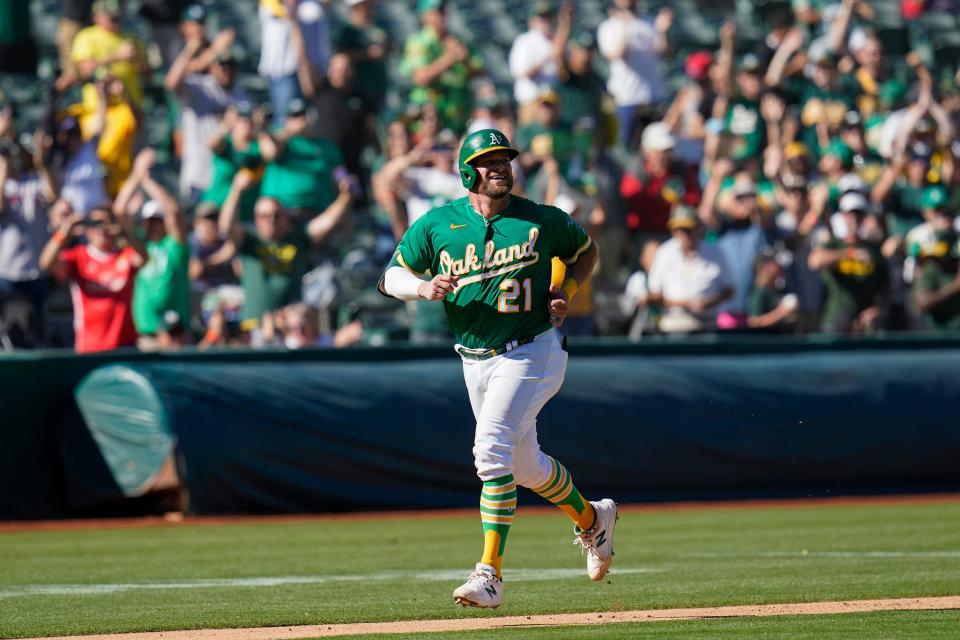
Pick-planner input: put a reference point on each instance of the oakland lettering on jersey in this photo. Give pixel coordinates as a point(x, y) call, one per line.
point(494, 262)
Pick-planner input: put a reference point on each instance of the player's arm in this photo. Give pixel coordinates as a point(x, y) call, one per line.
point(399, 282)
point(577, 272)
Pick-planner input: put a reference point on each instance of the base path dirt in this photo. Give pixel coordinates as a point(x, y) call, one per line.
point(567, 619)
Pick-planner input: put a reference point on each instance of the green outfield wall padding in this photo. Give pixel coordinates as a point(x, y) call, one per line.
point(322, 436)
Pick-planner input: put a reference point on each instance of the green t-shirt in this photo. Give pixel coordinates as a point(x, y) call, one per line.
point(162, 284)
point(818, 104)
point(226, 163)
point(302, 176)
point(906, 208)
point(272, 272)
point(763, 300)
point(556, 141)
point(450, 92)
point(852, 285)
point(503, 264)
point(932, 277)
point(743, 120)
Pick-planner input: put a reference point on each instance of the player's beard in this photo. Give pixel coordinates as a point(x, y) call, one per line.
point(497, 190)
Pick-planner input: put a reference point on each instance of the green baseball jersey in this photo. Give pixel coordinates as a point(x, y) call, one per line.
point(503, 265)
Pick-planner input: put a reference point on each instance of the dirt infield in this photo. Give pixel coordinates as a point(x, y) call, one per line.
point(177, 519)
point(569, 619)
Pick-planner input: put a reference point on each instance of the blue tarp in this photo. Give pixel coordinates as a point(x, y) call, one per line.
point(322, 436)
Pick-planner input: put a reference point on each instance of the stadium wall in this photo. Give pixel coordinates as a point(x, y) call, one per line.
point(369, 428)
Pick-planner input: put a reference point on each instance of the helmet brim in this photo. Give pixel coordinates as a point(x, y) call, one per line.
point(512, 153)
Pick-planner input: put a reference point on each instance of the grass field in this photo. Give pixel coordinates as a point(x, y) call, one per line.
point(292, 573)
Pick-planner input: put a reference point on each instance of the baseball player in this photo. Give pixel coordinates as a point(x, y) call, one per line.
point(487, 257)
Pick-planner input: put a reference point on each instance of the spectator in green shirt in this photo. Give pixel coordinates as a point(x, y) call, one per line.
point(235, 148)
point(163, 284)
point(440, 65)
point(854, 273)
point(936, 285)
point(302, 168)
point(546, 137)
point(274, 256)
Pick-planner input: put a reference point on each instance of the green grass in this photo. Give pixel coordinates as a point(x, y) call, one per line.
point(688, 559)
point(902, 625)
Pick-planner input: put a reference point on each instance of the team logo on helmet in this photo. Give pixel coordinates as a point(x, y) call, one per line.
point(495, 139)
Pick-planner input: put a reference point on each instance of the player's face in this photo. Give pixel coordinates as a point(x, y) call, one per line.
point(494, 175)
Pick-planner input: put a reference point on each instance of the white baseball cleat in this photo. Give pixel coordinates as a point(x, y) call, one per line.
point(598, 540)
point(482, 589)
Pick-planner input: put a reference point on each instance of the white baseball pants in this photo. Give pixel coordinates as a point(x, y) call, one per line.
point(506, 394)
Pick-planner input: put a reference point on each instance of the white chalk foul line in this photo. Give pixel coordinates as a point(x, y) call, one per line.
point(514, 575)
point(806, 553)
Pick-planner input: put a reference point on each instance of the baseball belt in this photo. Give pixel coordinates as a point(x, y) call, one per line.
point(486, 354)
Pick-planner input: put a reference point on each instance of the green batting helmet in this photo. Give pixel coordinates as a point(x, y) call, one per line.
point(477, 144)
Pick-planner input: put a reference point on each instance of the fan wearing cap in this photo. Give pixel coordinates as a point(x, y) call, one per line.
point(210, 254)
point(936, 284)
point(440, 65)
point(582, 92)
point(901, 188)
point(689, 278)
point(854, 273)
point(743, 118)
point(866, 162)
point(163, 284)
point(202, 77)
point(546, 138)
point(535, 53)
point(103, 45)
point(652, 185)
point(743, 232)
point(236, 148)
point(937, 216)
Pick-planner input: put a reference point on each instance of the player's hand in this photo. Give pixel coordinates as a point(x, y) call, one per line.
point(558, 305)
point(438, 288)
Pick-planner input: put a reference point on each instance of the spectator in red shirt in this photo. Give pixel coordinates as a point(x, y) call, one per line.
point(101, 276)
point(654, 184)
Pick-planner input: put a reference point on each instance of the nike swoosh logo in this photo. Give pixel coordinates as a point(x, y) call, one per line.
point(457, 226)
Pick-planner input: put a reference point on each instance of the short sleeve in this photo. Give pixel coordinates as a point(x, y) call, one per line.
point(68, 258)
point(83, 48)
point(415, 251)
point(568, 240)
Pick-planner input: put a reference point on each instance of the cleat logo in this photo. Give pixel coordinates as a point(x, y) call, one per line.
point(602, 538)
point(491, 591)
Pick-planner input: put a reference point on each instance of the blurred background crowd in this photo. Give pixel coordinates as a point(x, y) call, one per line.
point(238, 173)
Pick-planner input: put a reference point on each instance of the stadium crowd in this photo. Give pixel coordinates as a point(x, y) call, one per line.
point(798, 181)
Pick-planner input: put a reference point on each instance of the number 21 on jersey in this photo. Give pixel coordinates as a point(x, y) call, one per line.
point(512, 290)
